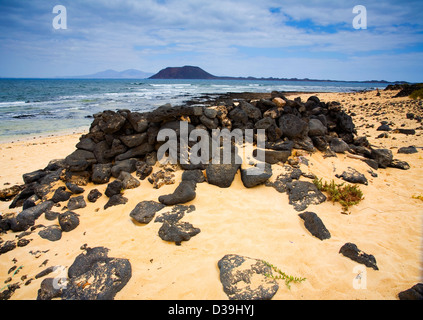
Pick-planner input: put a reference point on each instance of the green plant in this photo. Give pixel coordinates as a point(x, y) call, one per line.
point(417, 94)
point(347, 195)
point(282, 275)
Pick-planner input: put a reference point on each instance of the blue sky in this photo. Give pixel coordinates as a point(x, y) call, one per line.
point(267, 38)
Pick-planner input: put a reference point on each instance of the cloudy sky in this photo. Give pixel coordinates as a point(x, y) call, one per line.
point(266, 38)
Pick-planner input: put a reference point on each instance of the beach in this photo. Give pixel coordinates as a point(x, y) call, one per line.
point(254, 222)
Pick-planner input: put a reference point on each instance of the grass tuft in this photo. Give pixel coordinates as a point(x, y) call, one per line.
point(347, 195)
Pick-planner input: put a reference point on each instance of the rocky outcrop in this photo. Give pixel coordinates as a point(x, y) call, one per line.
point(245, 278)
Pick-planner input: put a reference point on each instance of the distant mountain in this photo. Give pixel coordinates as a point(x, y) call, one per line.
point(191, 72)
point(186, 72)
point(112, 74)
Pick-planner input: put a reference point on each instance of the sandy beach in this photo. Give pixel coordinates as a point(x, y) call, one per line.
point(257, 222)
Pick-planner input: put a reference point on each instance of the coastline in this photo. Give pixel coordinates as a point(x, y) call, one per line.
point(388, 223)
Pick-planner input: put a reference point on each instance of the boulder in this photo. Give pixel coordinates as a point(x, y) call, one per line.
point(114, 188)
point(351, 251)
point(95, 276)
point(138, 122)
point(408, 150)
point(128, 181)
point(382, 156)
point(414, 293)
point(338, 145)
point(253, 176)
point(134, 140)
point(51, 233)
point(68, 221)
point(76, 203)
point(292, 126)
point(221, 175)
point(316, 128)
point(177, 232)
point(74, 188)
point(101, 173)
point(61, 195)
point(303, 193)
point(244, 278)
point(139, 151)
point(94, 195)
point(128, 165)
point(315, 225)
point(111, 122)
point(144, 211)
point(185, 192)
point(27, 218)
point(115, 200)
point(194, 175)
point(353, 176)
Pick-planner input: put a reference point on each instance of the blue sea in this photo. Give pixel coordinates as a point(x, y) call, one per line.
point(35, 107)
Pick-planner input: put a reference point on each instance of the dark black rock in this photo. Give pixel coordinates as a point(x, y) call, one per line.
point(177, 213)
point(61, 195)
point(237, 280)
point(115, 200)
point(384, 127)
point(80, 160)
point(7, 246)
point(143, 170)
point(185, 192)
point(111, 122)
point(339, 145)
point(255, 176)
point(68, 221)
point(353, 176)
point(283, 179)
point(136, 152)
point(398, 164)
point(95, 276)
point(86, 144)
point(406, 131)
point(275, 156)
point(138, 121)
point(414, 293)
point(144, 211)
point(382, 156)
point(194, 175)
point(293, 127)
point(408, 150)
point(280, 145)
point(351, 251)
point(316, 128)
point(74, 188)
point(128, 165)
point(315, 225)
point(128, 181)
point(51, 215)
point(303, 193)
point(238, 115)
point(26, 218)
point(167, 112)
point(221, 175)
point(114, 188)
point(94, 195)
point(134, 140)
point(52, 233)
point(76, 203)
point(33, 176)
point(345, 122)
point(49, 289)
point(177, 232)
point(101, 173)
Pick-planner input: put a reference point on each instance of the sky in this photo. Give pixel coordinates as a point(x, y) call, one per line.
point(313, 39)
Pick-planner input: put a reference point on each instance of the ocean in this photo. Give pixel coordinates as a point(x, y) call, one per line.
point(39, 107)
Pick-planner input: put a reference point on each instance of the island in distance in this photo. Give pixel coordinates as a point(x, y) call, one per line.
point(193, 72)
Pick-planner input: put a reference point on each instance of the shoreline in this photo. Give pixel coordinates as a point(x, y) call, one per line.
point(387, 223)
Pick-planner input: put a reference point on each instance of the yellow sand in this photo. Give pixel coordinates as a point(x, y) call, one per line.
point(258, 223)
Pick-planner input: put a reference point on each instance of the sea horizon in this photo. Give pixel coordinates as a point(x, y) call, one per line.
point(39, 106)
